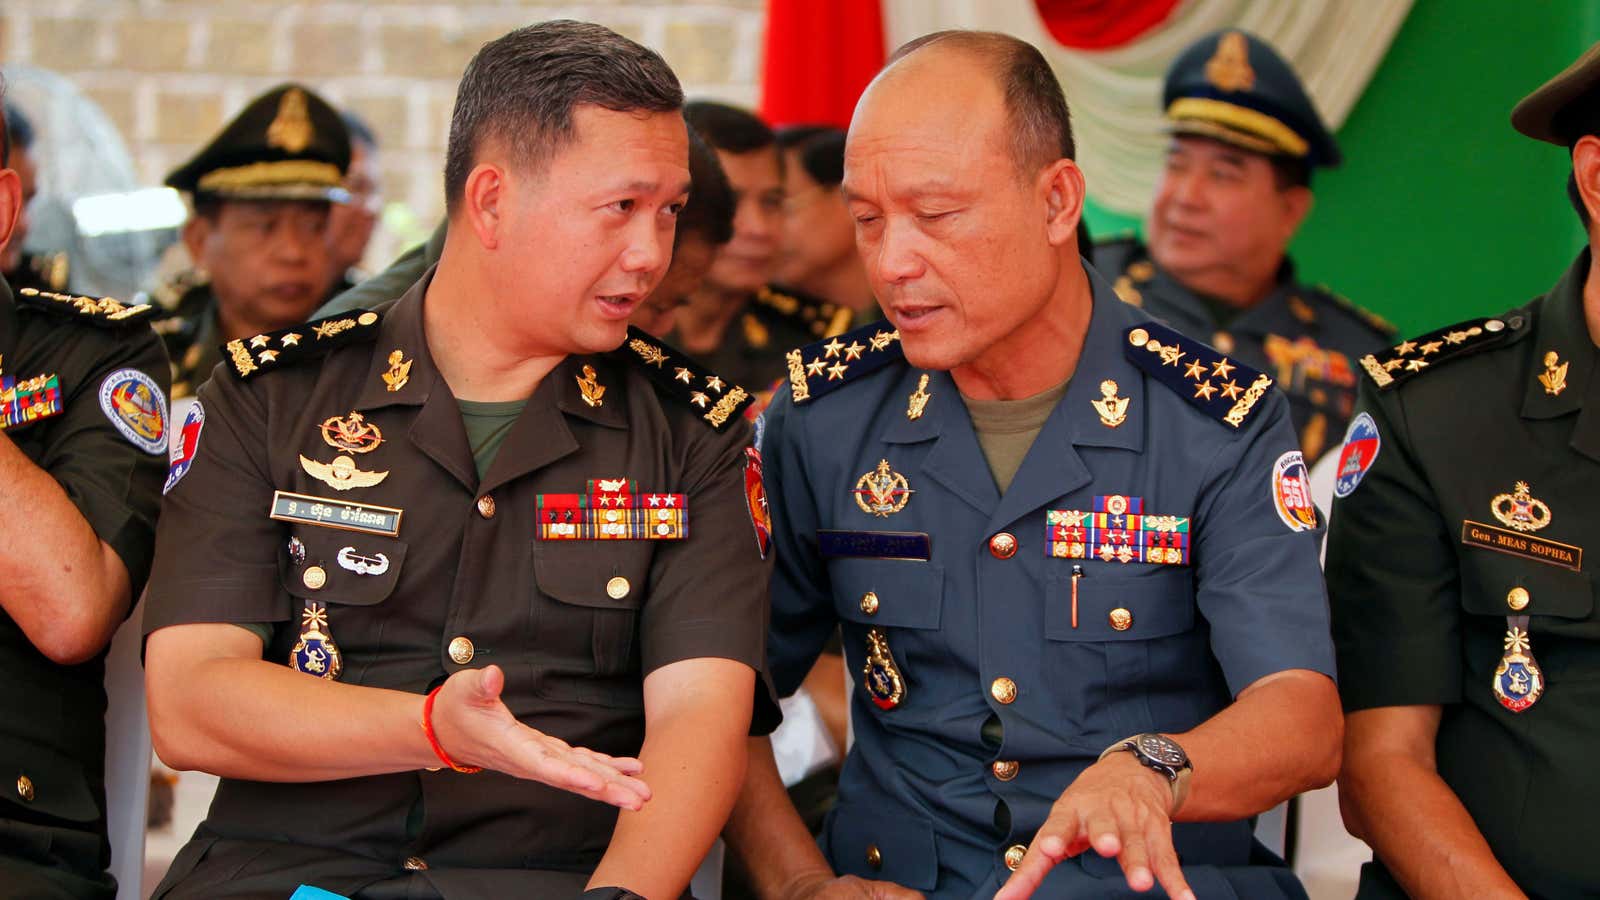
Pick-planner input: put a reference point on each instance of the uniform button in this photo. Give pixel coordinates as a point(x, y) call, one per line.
point(869, 603)
point(486, 506)
point(1004, 769)
point(1223, 341)
point(617, 588)
point(1003, 545)
point(874, 856)
point(314, 578)
point(1014, 855)
point(461, 650)
point(1003, 690)
point(415, 864)
point(1518, 598)
point(1120, 619)
point(25, 788)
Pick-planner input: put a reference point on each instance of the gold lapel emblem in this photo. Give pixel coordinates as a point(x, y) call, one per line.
point(1229, 68)
point(352, 433)
point(593, 390)
point(1554, 378)
point(291, 129)
point(1519, 509)
point(399, 371)
point(919, 399)
point(341, 474)
point(1113, 410)
point(882, 491)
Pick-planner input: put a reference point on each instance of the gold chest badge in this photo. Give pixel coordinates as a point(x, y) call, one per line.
point(882, 492)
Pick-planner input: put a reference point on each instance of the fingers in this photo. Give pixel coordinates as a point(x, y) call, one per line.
point(542, 758)
point(1164, 862)
point(490, 683)
point(1053, 843)
point(627, 765)
point(885, 890)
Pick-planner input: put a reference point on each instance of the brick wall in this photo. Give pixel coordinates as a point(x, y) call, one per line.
point(169, 73)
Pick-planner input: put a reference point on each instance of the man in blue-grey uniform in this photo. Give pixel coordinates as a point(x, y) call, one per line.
point(1072, 551)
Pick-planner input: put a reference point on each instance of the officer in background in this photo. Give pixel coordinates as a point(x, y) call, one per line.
point(417, 557)
point(83, 442)
point(1463, 605)
point(1235, 188)
point(351, 223)
point(1072, 551)
point(818, 255)
point(40, 271)
point(258, 235)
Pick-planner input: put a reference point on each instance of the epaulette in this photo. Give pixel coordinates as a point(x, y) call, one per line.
point(1373, 320)
point(826, 366)
point(1406, 359)
point(104, 311)
point(249, 357)
point(818, 317)
point(675, 374)
point(1217, 386)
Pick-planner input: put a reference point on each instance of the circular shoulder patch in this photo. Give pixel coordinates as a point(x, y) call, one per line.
point(1291, 492)
point(1360, 451)
point(135, 404)
point(186, 443)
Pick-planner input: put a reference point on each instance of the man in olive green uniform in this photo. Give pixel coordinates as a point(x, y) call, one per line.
point(418, 559)
point(1235, 188)
point(1463, 603)
point(261, 192)
point(83, 437)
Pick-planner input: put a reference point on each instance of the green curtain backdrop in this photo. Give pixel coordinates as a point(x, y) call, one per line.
point(1441, 211)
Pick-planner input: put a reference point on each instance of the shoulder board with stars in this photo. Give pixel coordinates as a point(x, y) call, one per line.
point(674, 373)
point(1373, 320)
point(249, 357)
point(826, 366)
point(1411, 357)
point(1218, 386)
point(102, 311)
point(818, 317)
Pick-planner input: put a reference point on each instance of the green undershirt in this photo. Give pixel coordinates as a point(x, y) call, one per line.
point(1007, 428)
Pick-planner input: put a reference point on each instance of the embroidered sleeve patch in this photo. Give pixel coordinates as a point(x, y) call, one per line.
point(755, 498)
point(184, 445)
point(1361, 445)
point(1291, 492)
point(136, 406)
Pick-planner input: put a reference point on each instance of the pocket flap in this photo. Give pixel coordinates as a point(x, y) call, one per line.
point(596, 574)
point(904, 593)
point(865, 843)
point(1157, 603)
point(342, 567)
point(43, 781)
point(1547, 590)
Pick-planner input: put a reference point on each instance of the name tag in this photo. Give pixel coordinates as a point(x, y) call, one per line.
point(874, 545)
point(1500, 540)
point(341, 514)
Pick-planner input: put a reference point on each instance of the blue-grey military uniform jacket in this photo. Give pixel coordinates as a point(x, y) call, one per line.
point(984, 642)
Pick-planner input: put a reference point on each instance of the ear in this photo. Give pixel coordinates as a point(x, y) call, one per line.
point(195, 233)
point(1586, 172)
point(482, 197)
point(1063, 186)
point(10, 204)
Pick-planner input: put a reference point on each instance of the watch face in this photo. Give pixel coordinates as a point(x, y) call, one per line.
point(1162, 750)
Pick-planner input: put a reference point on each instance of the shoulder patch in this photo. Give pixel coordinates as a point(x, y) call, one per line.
point(1407, 359)
point(826, 366)
point(249, 357)
point(1219, 387)
point(1371, 319)
point(675, 374)
point(104, 312)
point(818, 317)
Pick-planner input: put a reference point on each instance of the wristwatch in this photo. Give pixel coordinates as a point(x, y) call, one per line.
point(1161, 753)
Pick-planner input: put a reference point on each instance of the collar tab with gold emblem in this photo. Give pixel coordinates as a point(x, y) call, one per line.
point(673, 373)
point(1407, 359)
point(1217, 385)
point(249, 357)
point(819, 318)
point(104, 312)
point(825, 366)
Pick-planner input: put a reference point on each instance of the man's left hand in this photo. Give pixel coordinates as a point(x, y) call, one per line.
point(1119, 808)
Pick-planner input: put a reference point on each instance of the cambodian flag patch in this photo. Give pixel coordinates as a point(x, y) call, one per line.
point(1360, 452)
point(755, 498)
point(184, 445)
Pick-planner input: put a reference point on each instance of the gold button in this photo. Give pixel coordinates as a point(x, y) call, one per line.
point(1004, 769)
point(1014, 855)
point(486, 506)
point(1494, 325)
point(368, 318)
point(1223, 341)
point(461, 650)
point(1121, 619)
point(25, 788)
point(415, 864)
point(1003, 545)
point(314, 578)
point(874, 856)
point(617, 588)
point(869, 603)
point(1518, 598)
point(1138, 337)
point(1003, 690)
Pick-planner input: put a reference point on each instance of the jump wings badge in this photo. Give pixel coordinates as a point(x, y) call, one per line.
point(1519, 509)
point(882, 491)
point(881, 677)
point(316, 653)
point(1518, 681)
point(341, 474)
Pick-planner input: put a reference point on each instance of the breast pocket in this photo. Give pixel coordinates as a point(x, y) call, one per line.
point(587, 617)
point(1559, 604)
point(353, 574)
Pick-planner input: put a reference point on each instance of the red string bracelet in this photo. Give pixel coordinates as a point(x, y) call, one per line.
point(427, 732)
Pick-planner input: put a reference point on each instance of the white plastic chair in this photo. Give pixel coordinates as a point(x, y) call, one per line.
point(127, 758)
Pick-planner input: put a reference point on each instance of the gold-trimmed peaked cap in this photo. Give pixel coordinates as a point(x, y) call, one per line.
point(1566, 107)
point(1233, 87)
point(287, 144)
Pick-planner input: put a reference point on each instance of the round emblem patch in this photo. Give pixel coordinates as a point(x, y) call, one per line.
point(181, 453)
point(1360, 452)
point(1291, 492)
point(135, 404)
